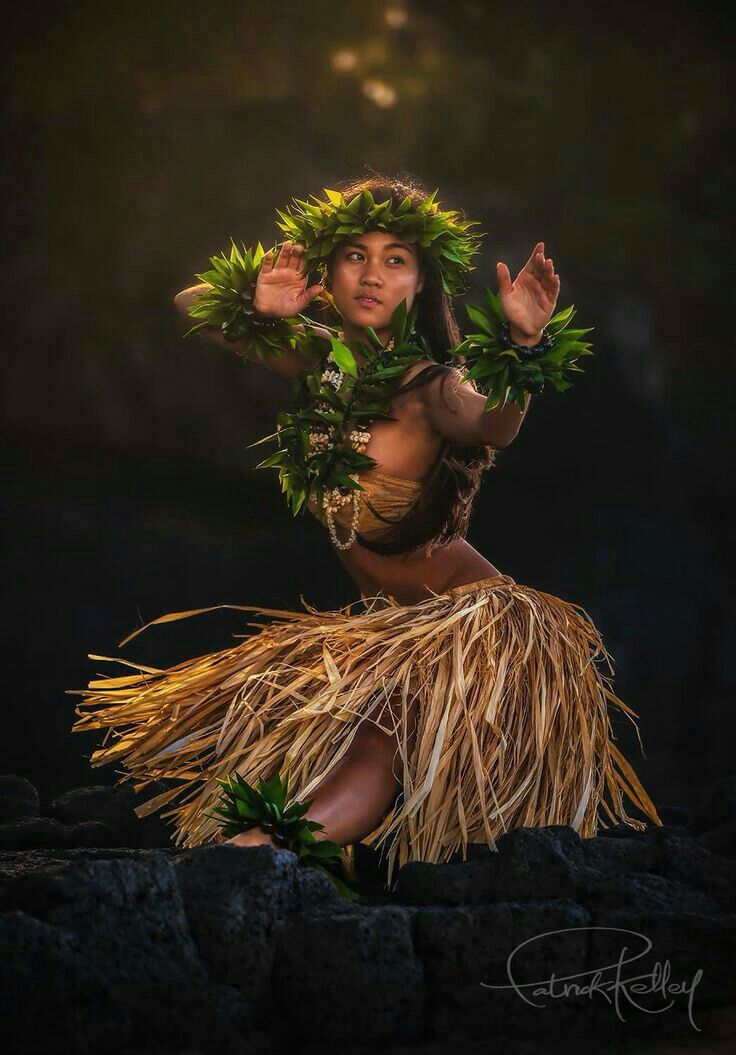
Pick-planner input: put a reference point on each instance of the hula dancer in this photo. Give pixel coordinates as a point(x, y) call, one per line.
point(458, 703)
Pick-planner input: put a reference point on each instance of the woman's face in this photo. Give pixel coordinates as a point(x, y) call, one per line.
point(370, 274)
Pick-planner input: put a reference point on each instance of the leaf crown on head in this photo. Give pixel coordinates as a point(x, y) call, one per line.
point(443, 235)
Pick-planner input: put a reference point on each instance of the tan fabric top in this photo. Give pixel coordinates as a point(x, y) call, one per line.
point(389, 495)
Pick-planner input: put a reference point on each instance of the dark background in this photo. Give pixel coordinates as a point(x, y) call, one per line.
point(141, 137)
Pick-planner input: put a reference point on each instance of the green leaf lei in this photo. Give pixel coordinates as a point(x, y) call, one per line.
point(365, 395)
point(243, 807)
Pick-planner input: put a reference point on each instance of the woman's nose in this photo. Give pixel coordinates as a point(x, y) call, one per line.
point(370, 276)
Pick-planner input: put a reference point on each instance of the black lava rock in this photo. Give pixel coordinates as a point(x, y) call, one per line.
point(18, 798)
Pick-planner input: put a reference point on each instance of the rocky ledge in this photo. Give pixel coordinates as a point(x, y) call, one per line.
point(112, 940)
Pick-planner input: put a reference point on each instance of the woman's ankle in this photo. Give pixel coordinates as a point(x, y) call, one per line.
point(253, 837)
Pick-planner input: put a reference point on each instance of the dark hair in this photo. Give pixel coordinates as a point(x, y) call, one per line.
point(441, 511)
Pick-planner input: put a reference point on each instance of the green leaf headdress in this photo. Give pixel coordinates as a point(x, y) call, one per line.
point(442, 235)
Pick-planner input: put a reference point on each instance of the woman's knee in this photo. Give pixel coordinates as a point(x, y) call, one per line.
point(384, 727)
point(372, 739)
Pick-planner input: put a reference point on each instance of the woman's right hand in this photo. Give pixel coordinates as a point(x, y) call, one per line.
point(280, 287)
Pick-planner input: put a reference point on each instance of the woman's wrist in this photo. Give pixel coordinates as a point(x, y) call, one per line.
point(258, 318)
point(525, 339)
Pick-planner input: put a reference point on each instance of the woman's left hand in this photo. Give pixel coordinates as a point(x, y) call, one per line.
point(529, 302)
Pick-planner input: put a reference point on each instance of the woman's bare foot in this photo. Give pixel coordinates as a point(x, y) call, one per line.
point(253, 837)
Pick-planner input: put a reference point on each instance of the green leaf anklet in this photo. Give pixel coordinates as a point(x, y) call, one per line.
point(243, 807)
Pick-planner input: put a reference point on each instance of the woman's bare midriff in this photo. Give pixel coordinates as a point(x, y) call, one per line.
point(407, 448)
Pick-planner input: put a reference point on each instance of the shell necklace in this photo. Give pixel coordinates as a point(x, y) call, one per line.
point(321, 438)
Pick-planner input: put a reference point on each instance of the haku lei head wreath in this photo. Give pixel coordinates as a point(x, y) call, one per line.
point(321, 441)
point(442, 235)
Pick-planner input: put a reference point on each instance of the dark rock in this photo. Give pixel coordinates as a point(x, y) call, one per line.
point(457, 881)
point(717, 808)
point(619, 856)
point(656, 834)
point(135, 959)
point(474, 852)
point(646, 893)
point(350, 972)
point(31, 833)
point(420, 883)
point(469, 952)
point(527, 863)
point(39, 984)
point(233, 898)
point(18, 798)
point(625, 831)
point(18, 863)
point(685, 860)
point(113, 807)
point(546, 862)
point(722, 841)
point(87, 833)
point(537, 863)
point(224, 949)
point(677, 815)
point(691, 948)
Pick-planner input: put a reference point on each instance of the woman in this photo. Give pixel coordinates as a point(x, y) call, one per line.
point(459, 704)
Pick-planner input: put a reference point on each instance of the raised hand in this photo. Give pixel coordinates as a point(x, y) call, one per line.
point(281, 286)
point(529, 302)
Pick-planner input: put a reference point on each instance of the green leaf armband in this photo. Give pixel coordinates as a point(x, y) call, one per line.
point(228, 305)
point(243, 807)
point(504, 372)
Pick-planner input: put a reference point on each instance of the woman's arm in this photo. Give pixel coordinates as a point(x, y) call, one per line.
point(456, 411)
point(528, 303)
point(290, 363)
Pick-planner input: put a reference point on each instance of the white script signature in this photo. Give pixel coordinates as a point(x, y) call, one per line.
point(613, 989)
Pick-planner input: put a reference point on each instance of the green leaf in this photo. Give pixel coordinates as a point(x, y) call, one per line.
point(480, 319)
point(560, 320)
point(275, 790)
point(297, 809)
point(326, 849)
point(494, 303)
point(244, 810)
point(344, 357)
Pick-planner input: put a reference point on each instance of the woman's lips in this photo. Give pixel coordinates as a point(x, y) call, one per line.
point(368, 302)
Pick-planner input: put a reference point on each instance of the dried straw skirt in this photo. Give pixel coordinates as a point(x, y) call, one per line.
point(513, 725)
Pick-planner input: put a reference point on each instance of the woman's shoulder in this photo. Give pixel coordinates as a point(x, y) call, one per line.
point(417, 369)
point(422, 374)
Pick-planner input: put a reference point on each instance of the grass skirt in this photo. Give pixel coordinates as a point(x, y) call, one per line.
point(513, 725)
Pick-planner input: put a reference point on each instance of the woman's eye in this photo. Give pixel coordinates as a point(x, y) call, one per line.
point(356, 252)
